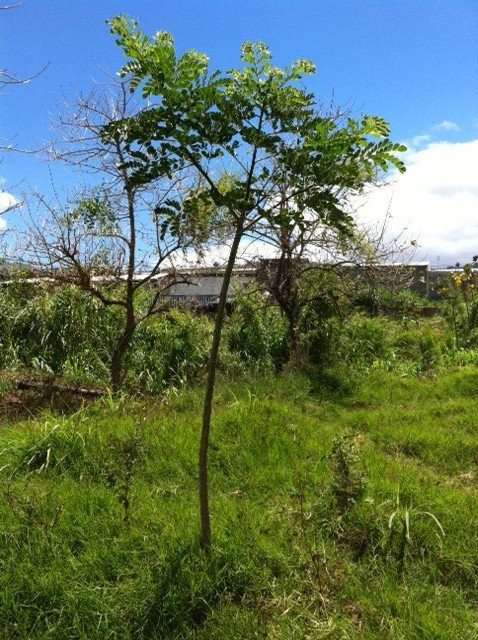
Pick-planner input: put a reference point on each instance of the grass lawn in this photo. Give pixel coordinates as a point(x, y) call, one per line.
point(333, 516)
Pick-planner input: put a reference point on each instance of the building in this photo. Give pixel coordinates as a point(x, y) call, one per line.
point(201, 287)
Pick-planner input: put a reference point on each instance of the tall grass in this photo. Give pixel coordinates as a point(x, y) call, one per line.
point(325, 515)
point(407, 346)
point(65, 331)
point(59, 331)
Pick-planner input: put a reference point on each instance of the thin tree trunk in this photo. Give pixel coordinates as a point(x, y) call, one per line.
point(294, 347)
point(291, 312)
point(116, 369)
point(205, 538)
point(286, 287)
point(116, 366)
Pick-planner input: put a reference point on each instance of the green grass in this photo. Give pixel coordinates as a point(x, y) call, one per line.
point(99, 523)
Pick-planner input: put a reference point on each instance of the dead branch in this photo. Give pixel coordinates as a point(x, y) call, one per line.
point(26, 385)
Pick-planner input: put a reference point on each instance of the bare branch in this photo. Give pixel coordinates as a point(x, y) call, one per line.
point(8, 79)
point(110, 239)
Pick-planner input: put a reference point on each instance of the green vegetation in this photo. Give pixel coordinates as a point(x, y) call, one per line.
point(344, 450)
point(64, 332)
point(342, 488)
point(459, 291)
point(346, 518)
point(288, 166)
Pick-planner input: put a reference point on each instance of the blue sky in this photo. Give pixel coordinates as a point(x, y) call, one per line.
point(415, 63)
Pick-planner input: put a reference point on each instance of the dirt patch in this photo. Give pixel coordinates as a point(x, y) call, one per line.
point(19, 404)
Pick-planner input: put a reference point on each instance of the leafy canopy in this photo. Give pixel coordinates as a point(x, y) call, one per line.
point(256, 123)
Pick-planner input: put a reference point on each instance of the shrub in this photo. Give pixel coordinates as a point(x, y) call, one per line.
point(168, 349)
point(320, 329)
point(381, 299)
point(58, 330)
point(256, 331)
point(365, 340)
point(391, 345)
point(66, 331)
point(421, 347)
point(347, 484)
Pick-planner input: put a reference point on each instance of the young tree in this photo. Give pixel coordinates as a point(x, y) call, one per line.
point(263, 128)
point(111, 239)
point(304, 256)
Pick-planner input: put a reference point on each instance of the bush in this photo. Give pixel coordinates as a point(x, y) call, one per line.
point(64, 331)
point(368, 343)
point(377, 299)
point(256, 332)
point(320, 329)
point(67, 332)
point(365, 340)
point(168, 349)
point(420, 346)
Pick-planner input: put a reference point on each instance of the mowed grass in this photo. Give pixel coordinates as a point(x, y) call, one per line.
point(333, 516)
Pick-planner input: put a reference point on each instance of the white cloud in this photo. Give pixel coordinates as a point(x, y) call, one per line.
point(249, 250)
point(435, 201)
point(7, 201)
point(417, 141)
point(446, 125)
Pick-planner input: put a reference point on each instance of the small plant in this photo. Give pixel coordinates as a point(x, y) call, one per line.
point(399, 530)
point(349, 520)
point(314, 547)
point(120, 469)
point(459, 291)
point(347, 484)
point(333, 515)
point(114, 402)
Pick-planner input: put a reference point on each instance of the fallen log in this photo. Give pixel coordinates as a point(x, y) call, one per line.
point(26, 385)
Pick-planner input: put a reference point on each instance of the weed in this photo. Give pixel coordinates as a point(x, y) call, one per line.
point(348, 484)
point(124, 455)
point(399, 538)
point(59, 449)
point(311, 537)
